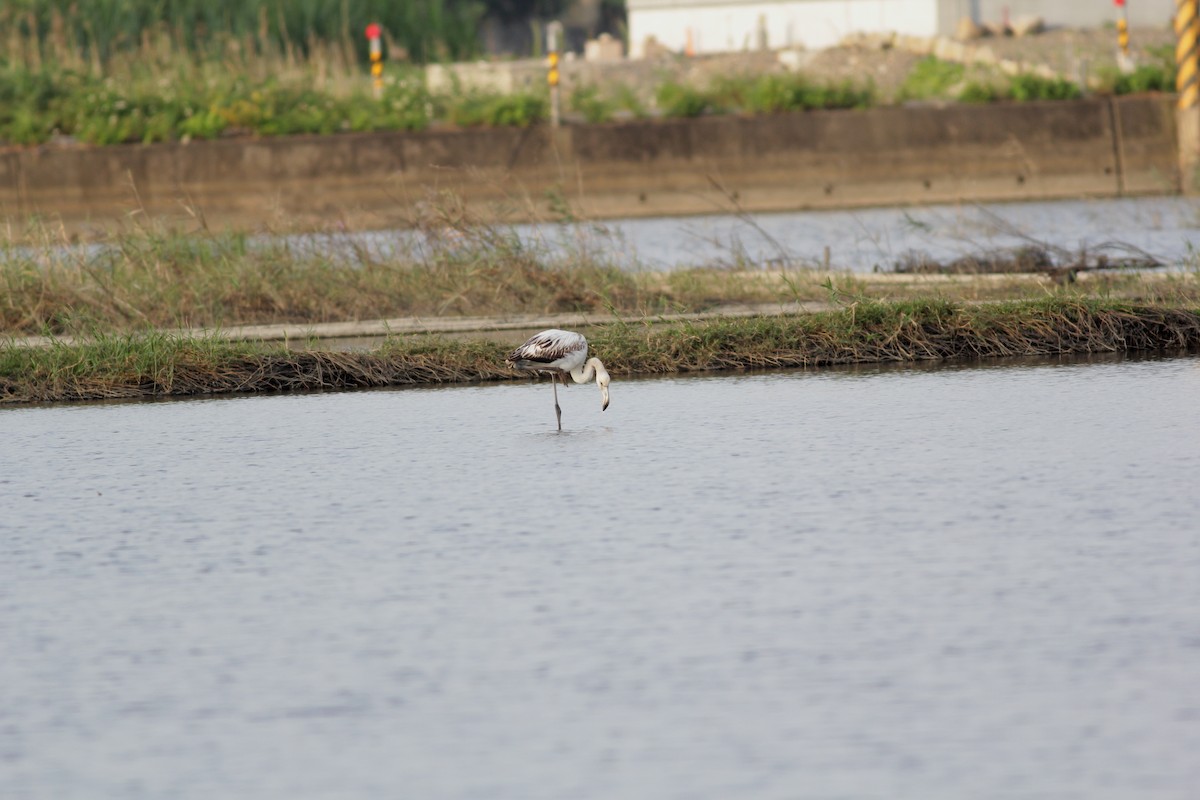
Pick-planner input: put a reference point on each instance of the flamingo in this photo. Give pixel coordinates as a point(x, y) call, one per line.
point(560, 353)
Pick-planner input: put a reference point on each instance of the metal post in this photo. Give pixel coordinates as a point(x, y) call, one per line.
point(374, 31)
point(1187, 110)
point(1123, 30)
point(1187, 33)
point(553, 46)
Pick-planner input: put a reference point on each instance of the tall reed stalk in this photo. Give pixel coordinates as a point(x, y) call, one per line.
point(91, 35)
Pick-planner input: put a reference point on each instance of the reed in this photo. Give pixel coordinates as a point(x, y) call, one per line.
point(445, 264)
point(155, 365)
point(94, 35)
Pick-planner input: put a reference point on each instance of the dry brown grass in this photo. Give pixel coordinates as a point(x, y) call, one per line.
point(446, 264)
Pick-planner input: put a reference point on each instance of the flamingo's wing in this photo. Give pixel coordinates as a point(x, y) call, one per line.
point(547, 348)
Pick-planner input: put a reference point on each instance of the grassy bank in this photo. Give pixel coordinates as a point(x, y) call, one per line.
point(180, 100)
point(158, 365)
point(148, 279)
point(446, 265)
point(131, 77)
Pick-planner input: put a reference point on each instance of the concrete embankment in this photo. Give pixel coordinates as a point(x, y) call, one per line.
point(1096, 147)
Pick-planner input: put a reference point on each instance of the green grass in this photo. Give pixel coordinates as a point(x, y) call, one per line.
point(1034, 87)
point(760, 94)
point(680, 100)
point(172, 98)
point(589, 102)
point(136, 71)
point(795, 92)
point(520, 110)
point(934, 79)
point(200, 103)
point(110, 365)
point(931, 78)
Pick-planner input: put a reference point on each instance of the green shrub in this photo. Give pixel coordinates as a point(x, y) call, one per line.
point(930, 78)
point(26, 101)
point(730, 93)
point(518, 110)
point(203, 125)
point(1034, 87)
point(677, 100)
point(23, 125)
point(793, 92)
point(587, 101)
point(1146, 78)
point(405, 106)
point(626, 99)
point(480, 108)
point(1156, 75)
point(846, 95)
point(774, 93)
point(978, 92)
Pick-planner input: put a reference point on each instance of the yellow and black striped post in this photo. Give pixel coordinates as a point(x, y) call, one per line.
point(1187, 33)
point(1187, 110)
point(554, 35)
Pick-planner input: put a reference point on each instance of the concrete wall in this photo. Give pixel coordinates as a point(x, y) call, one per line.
point(1095, 147)
point(1057, 13)
point(718, 26)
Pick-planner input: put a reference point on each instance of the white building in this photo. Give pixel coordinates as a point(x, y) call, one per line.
point(721, 26)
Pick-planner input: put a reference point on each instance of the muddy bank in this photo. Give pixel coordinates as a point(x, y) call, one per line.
point(165, 366)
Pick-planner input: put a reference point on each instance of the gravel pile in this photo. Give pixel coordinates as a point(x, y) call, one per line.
point(886, 64)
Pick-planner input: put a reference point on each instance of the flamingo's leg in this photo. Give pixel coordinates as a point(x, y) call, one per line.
point(557, 410)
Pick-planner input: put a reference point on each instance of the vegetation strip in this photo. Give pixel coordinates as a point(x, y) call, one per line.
point(401, 326)
point(159, 365)
point(142, 71)
point(448, 267)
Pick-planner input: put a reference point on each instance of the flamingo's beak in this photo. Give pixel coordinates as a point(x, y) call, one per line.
point(604, 397)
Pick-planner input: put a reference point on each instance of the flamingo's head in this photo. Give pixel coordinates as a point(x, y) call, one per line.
point(602, 382)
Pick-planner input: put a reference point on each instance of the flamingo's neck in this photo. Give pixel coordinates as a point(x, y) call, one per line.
point(593, 368)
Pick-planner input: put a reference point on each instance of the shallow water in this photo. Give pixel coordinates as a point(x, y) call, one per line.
point(864, 240)
point(860, 240)
point(948, 583)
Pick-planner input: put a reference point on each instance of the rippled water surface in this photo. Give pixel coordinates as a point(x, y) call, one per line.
point(955, 583)
point(859, 240)
point(863, 240)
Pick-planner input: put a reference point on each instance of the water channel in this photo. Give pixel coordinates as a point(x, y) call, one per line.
point(859, 240)
point(961, 582)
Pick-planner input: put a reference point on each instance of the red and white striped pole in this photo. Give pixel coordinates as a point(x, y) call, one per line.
point(1123, 30)
point(374, 31)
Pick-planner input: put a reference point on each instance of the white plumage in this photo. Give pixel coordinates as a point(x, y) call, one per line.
point(560, 353)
